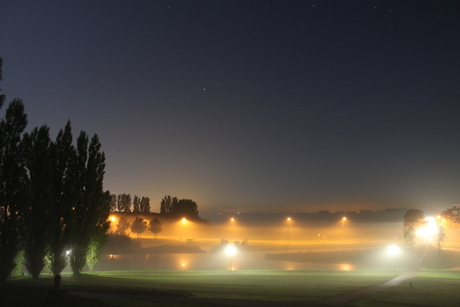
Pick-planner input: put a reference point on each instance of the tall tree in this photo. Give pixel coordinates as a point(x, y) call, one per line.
point(39, 163)
point(155, 226)
point(63, 220)
point(124, 202)
point(167, 204)
point(136, 204)
point(185, 208)
point(139, 226)
point(413, 218)
point(113, 202)
point(100, 235)
point(145, 205)
point(12, 177)
point(93, 205)
point(122, 226)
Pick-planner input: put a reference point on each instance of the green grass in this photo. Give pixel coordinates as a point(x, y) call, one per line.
point(249, 285)
point(429, 288)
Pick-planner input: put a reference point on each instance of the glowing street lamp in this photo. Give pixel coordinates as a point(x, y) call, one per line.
point(230, 251)
point(393, 251)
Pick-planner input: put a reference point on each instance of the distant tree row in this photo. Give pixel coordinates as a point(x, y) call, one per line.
point(179, 208)
point(139, 226)
point(170, 207)
point(51, 196)
point(123, 203)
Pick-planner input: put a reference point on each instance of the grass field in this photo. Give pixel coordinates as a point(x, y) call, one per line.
point(140, 288)
point(286, 286)
point(429, 288)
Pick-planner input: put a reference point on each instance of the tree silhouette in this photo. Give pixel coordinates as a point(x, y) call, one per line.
point(167, 204)
point(136, 204)
point(12, 173)
point(38, 159)
point(65, 198)
point(139, 226)
point(185, 208)
point(145, 205)
point(122, 226)
point(412, 218)
point(155, 226)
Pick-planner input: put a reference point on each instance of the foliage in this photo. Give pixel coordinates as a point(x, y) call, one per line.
point(93, 205)
point(38, 159)
point(145, 205)
point(155, 226)
point(451, 218)
point(139, 226)
point(124, 202)
point(122, 226)
point(136, 204)
point(178, 209)
point(65, 198)
point(167, 204)
point(12, 194)
point(186, 208)
point(440, 236)
point(413, 218)
point(113, 202)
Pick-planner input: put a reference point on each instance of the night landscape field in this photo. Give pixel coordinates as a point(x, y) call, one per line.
point(229, 153)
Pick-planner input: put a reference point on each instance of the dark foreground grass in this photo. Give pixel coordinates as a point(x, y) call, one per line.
point(435, 288)
point(121, 288)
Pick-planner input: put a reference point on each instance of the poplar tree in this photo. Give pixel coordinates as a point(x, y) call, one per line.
point(39, 163)
point(136, 204)
point(93, 204)
point(63, 220)
point(12, 174)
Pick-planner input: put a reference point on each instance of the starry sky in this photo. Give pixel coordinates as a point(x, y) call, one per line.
point(250, 106)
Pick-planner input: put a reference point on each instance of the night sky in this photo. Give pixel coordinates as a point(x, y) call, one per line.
point(286, 106)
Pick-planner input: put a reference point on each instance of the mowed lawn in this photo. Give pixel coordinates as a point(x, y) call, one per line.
point(254, 285)
point(248, 285)
point(437, 288)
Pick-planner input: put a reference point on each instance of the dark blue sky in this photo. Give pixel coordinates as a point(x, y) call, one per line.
point(287, 106)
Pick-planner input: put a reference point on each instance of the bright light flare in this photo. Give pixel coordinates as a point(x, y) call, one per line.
point(430, 230)
point(393, 250)
point(230, 250)
point(113, 219)
point(184, 220)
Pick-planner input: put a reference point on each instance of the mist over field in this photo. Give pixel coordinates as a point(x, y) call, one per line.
point(312, 241)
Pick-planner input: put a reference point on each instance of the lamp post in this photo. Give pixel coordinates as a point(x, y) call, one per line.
point(343, 227)
point(393, 250)
point(184, 220)
point(288, 221)
point(232, 222)
point(230, 251)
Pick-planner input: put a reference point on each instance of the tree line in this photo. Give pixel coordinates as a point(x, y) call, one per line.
point(124, 203)
point(53, 207)
point(170, 207)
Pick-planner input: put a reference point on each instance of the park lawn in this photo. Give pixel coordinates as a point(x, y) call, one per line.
point(429, 288)
point(247, 285)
